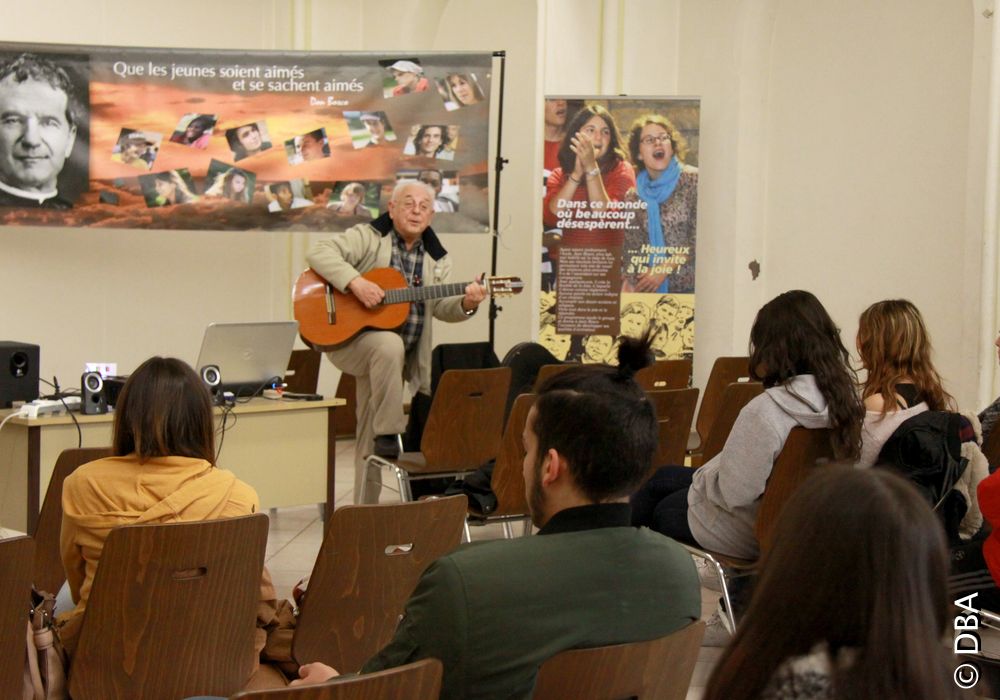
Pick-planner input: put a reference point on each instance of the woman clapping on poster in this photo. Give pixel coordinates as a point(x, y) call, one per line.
point(592, 169)
point(669, 188)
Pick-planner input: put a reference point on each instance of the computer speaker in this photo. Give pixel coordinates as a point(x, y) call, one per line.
point(18, 372)
point(212, 377)
point(93, 400)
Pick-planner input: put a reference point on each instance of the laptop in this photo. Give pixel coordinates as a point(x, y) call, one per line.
point(251, 357)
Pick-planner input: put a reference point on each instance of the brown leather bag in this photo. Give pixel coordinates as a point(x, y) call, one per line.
point(45, 667)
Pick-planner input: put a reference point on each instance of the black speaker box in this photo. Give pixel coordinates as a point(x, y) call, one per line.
point(18, 372)
point(92, 397)
point(212, 377)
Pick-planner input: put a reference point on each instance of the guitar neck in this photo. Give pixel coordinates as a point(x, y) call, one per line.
point(435, 291)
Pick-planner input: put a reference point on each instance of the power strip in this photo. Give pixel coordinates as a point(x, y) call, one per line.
point(49, 407)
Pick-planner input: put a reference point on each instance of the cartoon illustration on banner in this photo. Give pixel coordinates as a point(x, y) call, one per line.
point(154, 138)
point(619, 217)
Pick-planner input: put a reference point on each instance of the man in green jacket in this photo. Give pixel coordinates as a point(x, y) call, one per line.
point(492, 612)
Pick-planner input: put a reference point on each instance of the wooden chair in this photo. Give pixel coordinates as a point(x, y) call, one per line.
point(463, 429)
point(345, 418)
point(725, 371)
point(665, 374)
point(303, 371)
point(734, 398)
point(549, 371)
point(420, 680)
point(507, 481)
point(49, 574)
point(370, 561)
point(674, 412)
point(172, 611)
point(660, 669)
point(804, 450)
point(15, 602)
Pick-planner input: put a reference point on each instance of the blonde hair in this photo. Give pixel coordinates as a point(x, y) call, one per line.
point(895, 348)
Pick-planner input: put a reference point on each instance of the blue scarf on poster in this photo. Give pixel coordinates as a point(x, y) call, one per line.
point(654, 193)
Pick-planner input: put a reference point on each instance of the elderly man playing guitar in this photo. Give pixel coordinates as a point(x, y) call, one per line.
point(401, 239)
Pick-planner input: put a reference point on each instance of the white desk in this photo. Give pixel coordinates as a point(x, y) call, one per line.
point(285, 449)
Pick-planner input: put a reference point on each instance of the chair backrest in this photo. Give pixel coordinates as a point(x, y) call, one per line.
point(725, 371)
point(303, 371)
point(735, 397)
point(466, 419)
point(370, 561)
point(48, 568)
point(447, 356)
point(991, 448)
point(420, 680)
point(804, 450)
point(665, 374)
point(15, 601)
point(546, 372)
point(508, 478)
point(659, 669)
point(172, 611)
point(674, 413)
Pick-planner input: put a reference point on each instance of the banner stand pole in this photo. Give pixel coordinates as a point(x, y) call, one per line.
point(498, 169)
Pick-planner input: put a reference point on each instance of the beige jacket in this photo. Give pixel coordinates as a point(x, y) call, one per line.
point(367, 246)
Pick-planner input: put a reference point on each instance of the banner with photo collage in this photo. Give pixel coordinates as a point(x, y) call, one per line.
point(619, 219)
point(232, 140)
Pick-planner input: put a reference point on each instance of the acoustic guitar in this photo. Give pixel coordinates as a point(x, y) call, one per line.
point(328, 318)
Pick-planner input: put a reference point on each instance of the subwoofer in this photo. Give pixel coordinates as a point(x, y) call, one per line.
point(18, 372)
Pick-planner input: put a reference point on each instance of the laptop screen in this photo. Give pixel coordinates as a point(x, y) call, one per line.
point(248, 355)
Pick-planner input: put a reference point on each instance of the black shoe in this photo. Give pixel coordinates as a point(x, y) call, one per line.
point(386, 446)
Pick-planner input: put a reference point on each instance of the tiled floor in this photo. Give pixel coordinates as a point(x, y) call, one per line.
point(296, 534)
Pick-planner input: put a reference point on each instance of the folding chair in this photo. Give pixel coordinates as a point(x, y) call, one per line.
point(15, 602)
point(725, 371)
point(172, 611)
point(507, 481)
point(660, 669)
point(546, 372)
point(674, 412)
point(463, 430)
point(735, 397)
point(49, 574)
point(370, 561)
point(665, 374)
point(804, 450)
point(420, 680)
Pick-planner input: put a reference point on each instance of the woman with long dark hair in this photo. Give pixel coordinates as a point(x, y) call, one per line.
point(895, 350)
point(795, 350)
point(163, 471)
point(852, 600)
point(593, 170)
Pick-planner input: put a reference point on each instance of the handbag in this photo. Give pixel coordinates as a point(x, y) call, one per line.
point(45, 668)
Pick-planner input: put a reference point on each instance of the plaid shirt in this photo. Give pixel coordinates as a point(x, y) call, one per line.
point(411, 264)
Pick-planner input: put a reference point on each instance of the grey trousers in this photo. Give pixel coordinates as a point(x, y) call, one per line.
point(376, 359)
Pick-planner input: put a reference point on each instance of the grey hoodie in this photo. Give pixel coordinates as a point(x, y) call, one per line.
point(726, 491)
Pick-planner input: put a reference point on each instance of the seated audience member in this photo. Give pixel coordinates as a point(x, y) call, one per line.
point(795, 350)
point(163, 471)
point(895, 350)
point(493, 612)
point(988, 556)
point(991, 414)
point(852, 600)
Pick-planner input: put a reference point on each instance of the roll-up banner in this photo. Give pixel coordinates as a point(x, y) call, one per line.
point(207, 139)
point(619, 221)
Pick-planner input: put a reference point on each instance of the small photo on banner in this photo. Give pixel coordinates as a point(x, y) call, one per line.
point(355, 200)
point(169, 188)
point(312, 145)
point(136, 149)
point(459, 90)
point(369, 129)
point(225, 181)
point(286, 195)
point(444, 184)
point(248, 140)
point(432, 141)
point(403, 77)
point(194, 130)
